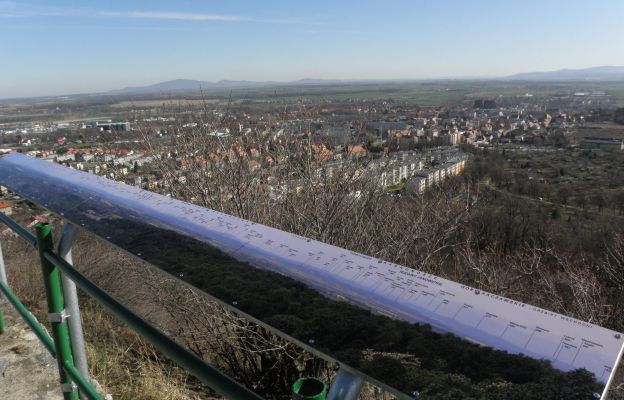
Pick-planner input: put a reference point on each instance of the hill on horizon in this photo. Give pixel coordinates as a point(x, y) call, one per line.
point(191, 84)
point(593, 74)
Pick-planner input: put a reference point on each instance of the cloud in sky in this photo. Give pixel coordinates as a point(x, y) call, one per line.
point(17, 10)
point(187, 16)
point(171, 16)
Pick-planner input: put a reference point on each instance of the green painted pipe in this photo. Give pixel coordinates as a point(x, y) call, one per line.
point(1, 322)
point(56, 307)
point(309, 389)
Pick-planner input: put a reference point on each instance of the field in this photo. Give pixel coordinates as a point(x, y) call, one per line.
point(408, 93)
point(161, 102)
point(602, 130)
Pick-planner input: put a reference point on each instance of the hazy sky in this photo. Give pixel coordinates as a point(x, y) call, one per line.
point(60, 47)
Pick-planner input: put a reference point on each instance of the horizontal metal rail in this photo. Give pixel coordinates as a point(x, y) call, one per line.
point(206, 373)
point(20, 230)
point(29, 318)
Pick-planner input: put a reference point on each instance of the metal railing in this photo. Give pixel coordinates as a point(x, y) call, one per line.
point(56, 272)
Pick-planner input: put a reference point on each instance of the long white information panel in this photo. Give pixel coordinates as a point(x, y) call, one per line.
point(394, 290)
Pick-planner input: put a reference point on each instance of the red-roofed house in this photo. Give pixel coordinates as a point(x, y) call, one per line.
point(6, 207)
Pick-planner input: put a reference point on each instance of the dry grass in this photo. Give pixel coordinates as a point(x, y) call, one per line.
point(126, 365)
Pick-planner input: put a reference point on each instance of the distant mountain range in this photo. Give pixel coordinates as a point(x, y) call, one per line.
point(189, 84)
point(594, 74)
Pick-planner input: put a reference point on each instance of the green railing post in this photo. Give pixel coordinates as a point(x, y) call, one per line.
point(56, 310)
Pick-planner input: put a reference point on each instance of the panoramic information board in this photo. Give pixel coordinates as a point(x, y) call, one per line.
point(389, 289)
